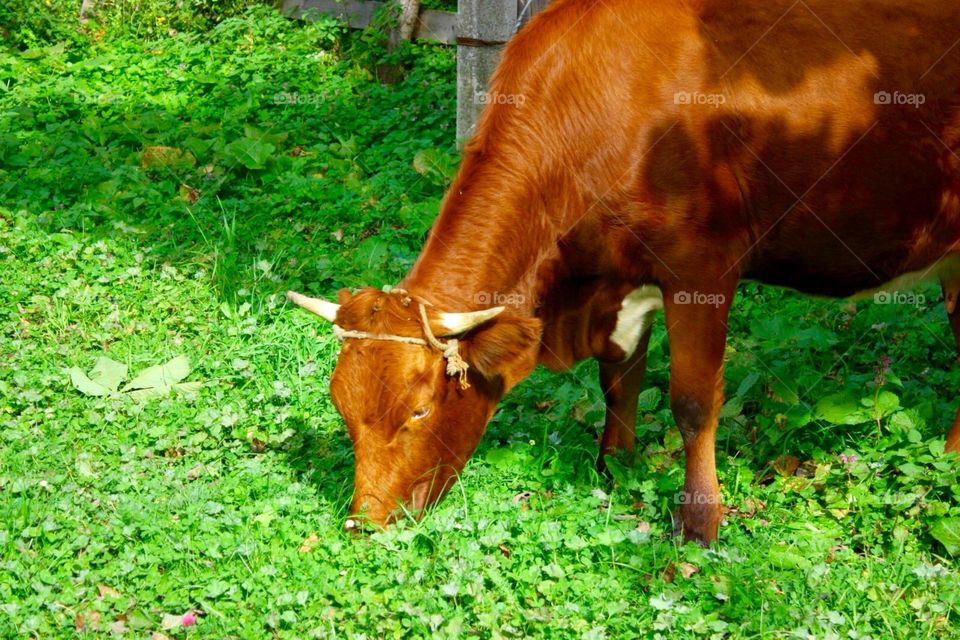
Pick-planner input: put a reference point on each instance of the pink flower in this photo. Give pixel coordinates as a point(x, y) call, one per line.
point(189, 619)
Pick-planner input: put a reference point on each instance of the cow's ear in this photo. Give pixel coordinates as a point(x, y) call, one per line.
point(506, 348)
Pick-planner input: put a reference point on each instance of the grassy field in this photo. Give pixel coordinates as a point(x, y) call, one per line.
point(159, 192)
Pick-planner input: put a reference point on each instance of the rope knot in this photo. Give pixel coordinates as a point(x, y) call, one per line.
point(456, 365)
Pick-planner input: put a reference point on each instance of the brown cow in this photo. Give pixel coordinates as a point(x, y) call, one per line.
point(672, 146)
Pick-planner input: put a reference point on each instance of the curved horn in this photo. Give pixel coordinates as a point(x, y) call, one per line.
point(324, 309)
point(453, 324)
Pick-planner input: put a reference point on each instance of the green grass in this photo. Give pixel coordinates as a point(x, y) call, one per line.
point(229, 502)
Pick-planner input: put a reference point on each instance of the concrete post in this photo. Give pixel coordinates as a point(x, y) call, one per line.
point(484, 27)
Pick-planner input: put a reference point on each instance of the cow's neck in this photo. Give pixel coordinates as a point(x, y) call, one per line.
point(489, 246)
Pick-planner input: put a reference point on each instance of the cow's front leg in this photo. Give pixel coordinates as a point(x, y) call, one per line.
point(621, 383)
point(697, 330)
point(951, 292)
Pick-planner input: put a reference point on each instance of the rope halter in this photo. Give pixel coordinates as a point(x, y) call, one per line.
point(456, 365)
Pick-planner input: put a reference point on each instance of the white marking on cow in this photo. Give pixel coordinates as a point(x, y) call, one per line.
point(946, 271)
point(635, 317)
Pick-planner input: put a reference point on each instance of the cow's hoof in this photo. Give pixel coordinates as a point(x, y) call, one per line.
point(686, 533)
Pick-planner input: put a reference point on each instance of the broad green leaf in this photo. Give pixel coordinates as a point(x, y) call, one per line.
point(85, 385)
point(840, 408)
point(747, 384)
point(649, 399)
point(664, 601)
point(885, 403)
point(162, 375)
point(623, 475)
point(250, 152)
point(435, 165)
point(905, 421)
point(947, 531)
point(188, 387)
point(910, 470)
point(108, 373)
point(798, 416)
point(732, 408)
point(786, 392)
point(673, 439)
point(258, 134)
point(786, 557)
point(103, 380)
point(937, 447)
point(503, 457)
point(142, 395)
point(610, 537)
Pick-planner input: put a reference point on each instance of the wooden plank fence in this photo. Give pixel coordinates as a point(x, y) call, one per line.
point(480, 29)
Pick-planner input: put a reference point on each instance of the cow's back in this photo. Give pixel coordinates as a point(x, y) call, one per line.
point(760, 124)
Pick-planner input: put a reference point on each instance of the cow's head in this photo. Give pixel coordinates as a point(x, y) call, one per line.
point(413, 414)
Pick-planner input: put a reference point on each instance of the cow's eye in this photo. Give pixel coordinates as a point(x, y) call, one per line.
point(420, 414)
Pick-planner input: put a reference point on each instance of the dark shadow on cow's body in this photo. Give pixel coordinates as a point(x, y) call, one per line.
point(733, 140)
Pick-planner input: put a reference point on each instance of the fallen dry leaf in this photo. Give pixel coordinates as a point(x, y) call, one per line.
point(170, 621)
point(786, 465)
point(105, 591)
point(309, 543)
point(188, 194)
point(687, 569)
point(522, 496)
point(158, 157)
point(90, 619)
point(669, 573)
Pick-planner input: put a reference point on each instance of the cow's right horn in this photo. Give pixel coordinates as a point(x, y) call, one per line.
point(324, 309)
point(456, 323)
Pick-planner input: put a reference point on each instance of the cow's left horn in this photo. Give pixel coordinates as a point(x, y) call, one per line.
point(456, 323)
point(324, 309)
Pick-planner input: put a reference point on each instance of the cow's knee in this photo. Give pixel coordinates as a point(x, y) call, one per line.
point(690, 416)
